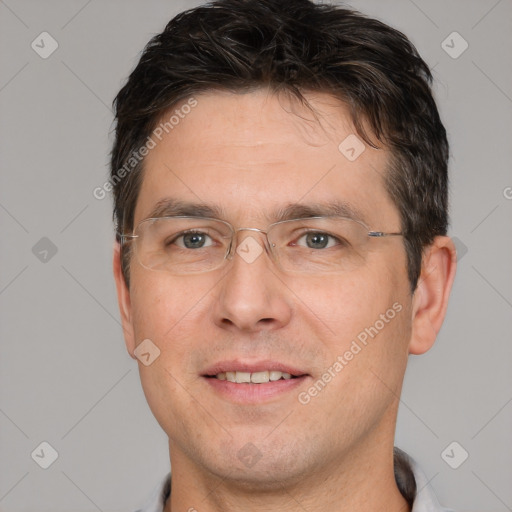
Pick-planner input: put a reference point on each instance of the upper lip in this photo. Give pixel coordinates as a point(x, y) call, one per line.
point(237, 365)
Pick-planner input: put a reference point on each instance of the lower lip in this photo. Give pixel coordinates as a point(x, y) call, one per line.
point(254, 393)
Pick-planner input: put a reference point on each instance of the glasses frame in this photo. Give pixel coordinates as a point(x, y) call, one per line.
point(124, 238)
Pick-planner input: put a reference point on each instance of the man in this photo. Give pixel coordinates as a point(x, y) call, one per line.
point(280, 188)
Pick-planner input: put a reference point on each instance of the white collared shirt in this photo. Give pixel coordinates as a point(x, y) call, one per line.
point(425, 500)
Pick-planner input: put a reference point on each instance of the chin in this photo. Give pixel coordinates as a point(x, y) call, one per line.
point(260, 465)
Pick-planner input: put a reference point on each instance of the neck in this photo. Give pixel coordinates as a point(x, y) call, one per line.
point(363, 480)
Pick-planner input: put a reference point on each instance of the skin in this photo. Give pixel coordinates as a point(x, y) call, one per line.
point(250, 153)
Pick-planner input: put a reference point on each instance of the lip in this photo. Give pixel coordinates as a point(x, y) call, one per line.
point(237, 365)
point(249, 393)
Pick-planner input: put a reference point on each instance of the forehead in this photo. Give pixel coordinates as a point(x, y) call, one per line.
point(248, 155)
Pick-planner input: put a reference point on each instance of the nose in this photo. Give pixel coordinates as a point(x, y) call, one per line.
point(253, 295)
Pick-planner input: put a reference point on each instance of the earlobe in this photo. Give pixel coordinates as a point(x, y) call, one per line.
point(124, 301)
point(430, 299)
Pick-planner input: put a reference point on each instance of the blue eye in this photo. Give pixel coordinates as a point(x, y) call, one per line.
point(192, 240)
point(319, 240)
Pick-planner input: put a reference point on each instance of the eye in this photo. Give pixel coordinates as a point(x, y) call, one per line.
point(319, 240)
point(191, 240)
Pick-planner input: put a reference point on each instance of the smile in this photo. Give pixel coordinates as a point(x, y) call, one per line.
point(254, 377)
point(243, 382)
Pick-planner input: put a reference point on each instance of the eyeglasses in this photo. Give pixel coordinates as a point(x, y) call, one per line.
point(194, 245)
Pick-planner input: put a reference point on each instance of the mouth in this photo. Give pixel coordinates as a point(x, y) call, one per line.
point(263, 377)
point(253, 382)
point(260, 372)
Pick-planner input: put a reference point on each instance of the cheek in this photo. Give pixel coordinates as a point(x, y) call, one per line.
point(365, 353)
point(170, 316)
point(173, 317)
point(343, 306)
point(163, 305)
point(364, 318)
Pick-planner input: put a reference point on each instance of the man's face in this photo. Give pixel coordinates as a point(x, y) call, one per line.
point(249, 155)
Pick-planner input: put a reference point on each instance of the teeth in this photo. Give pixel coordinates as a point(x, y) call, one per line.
point(259, 377)
point(275, 375)
point(255, 377)
point(242, 377)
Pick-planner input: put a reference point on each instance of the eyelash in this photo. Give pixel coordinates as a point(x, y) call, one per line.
point(337, 240)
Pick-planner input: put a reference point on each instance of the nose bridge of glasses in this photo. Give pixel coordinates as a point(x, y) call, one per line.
point(239, 240)
point(251, 229)
point(254, 230)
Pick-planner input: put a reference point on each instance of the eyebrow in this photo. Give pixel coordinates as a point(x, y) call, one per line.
point(171, 207)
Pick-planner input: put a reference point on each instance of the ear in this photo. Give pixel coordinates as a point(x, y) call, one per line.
point(123, 299)
point(430, 299)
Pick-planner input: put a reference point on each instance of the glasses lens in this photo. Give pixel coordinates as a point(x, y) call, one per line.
point(319, 245)
point(182, 245)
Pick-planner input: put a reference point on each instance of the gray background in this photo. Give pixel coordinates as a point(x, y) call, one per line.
point(65, 377)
